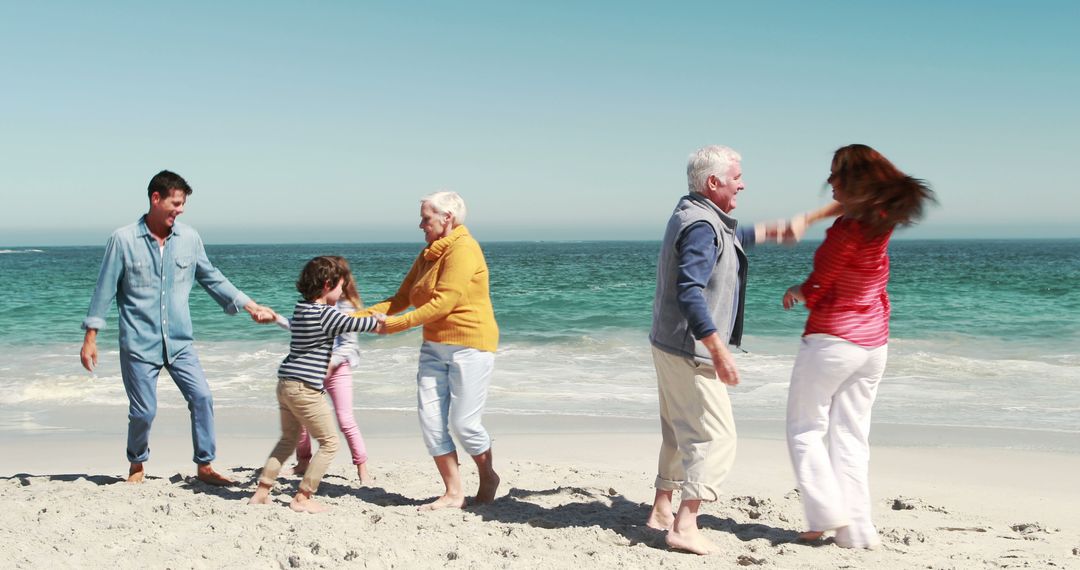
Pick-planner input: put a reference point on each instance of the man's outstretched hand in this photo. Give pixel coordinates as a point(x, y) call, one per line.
point(260, 314)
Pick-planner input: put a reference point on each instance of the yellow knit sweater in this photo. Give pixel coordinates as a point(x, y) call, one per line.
point(448, 286)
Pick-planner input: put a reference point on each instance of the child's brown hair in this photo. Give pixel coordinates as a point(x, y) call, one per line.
point(348, 289)
point(318, 273)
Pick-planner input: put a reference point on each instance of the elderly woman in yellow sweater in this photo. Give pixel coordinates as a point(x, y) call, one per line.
point(448, 287)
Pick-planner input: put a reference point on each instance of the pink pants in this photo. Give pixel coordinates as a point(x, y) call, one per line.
point(339, 386)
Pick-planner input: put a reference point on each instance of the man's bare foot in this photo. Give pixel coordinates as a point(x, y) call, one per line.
point(304, 503)
point(692, 541)
point(207, 475)
point(365, 477)
point(811, 535)
point(444, 502)
point(299, 469)
point(136, 473)
point(659, 520)
point(261, 496)
point(485, 494)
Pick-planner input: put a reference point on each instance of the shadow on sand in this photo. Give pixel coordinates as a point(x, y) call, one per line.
point(584, 507)
point(581, 507)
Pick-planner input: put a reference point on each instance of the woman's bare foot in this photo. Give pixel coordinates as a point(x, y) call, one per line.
point(485, 494)
point(811, 535)
point(444, 502)
point(691, 541)
point(304, 503)
point(365, 477)
point(659, 520)
point(136, 473)
point(299, 469)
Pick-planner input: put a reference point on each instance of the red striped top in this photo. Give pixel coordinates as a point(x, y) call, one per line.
point(846, 291)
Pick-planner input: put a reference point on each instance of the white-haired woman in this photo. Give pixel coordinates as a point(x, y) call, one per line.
point(448, 288)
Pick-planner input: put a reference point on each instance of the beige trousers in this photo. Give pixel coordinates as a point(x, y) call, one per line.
point(697, 425)
point(302, 406)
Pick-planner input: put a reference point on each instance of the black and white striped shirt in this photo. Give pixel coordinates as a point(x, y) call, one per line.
point(314, 326)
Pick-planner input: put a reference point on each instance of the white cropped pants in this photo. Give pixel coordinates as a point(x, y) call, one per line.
point(451, 392)
point(833, 386)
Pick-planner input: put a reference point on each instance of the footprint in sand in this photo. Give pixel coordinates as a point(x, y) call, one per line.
point(1029, 531)
point(915, 504)
point(905, 536)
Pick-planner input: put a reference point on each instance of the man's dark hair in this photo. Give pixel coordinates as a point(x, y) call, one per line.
point(165, 182)
point(318, 272)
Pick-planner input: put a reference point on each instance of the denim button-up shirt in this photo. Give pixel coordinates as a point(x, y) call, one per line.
point(151, 288)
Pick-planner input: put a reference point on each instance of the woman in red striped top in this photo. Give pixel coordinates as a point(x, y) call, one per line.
point(845, 344)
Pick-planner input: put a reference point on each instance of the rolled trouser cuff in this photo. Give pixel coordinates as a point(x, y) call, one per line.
point(693, 491)
point(667, 484)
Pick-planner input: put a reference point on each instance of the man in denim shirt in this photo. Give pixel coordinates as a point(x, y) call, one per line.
point(149, 268)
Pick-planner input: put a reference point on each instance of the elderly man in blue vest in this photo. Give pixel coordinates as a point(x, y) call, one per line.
point(697, 313)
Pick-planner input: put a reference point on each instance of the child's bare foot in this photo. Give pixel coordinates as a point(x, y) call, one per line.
point(136, 473)
point(299, 469)
point(485, 494)
point(444, 502)
point(304, 503)
point(691, 541)
point(207, 475)
point(811, 535)
point(261, 496)
point(365, 477)
point(659, 520)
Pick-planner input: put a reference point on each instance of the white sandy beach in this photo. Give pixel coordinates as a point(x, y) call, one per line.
point(575, 492)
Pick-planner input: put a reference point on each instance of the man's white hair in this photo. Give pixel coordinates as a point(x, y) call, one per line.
point(712, 160)
point(446, 202)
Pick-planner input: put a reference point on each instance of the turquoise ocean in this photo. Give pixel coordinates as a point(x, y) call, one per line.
point(985, 334)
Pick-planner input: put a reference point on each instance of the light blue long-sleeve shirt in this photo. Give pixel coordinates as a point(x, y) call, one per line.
point(151, 287)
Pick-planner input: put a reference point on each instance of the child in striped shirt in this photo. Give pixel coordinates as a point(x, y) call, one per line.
point(315, 324)
point(339, 385)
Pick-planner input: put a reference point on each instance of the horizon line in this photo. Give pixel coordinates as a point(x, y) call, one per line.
point(13, 248)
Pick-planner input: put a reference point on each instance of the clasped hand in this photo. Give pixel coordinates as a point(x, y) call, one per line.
point(380, 327)
point(264, 315)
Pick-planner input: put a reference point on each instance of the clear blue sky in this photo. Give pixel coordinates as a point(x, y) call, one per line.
point(555, 120)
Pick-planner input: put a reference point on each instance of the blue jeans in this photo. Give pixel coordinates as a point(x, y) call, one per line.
point(451, 391)
point(140, 382)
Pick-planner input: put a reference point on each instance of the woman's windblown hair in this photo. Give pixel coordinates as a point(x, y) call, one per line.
point(874, 191)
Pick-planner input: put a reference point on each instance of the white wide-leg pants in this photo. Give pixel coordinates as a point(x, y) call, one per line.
point(833, 386)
